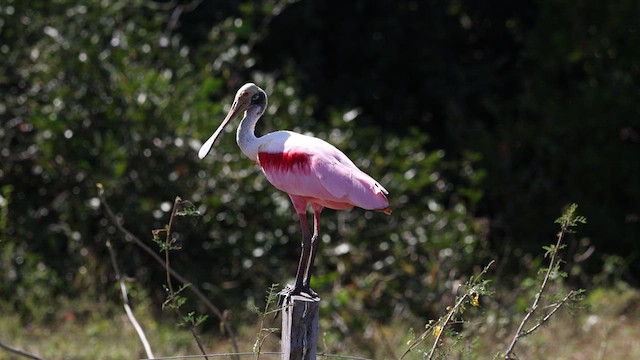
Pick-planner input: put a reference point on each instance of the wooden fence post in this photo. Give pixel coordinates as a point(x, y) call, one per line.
point(300, 327)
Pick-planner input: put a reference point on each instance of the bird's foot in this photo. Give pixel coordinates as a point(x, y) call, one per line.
point(307, 290)
point(303, 290)
point(291, 290)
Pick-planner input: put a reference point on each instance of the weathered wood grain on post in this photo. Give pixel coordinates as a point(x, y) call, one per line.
point(300, 327)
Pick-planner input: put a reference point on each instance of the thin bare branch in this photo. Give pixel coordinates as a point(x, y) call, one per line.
point(550, 314)
point(172, 295)
point(19, 352)
point(472, 289)
point(262, 32)
point(131, 237)
point(444, 325)
point(127, 307)
point(177, 13)
point(567, 222)
point(335, 356)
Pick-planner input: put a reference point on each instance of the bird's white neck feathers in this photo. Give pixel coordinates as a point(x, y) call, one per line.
point(245, 136)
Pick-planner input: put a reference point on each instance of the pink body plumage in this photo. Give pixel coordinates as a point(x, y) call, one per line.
point(317, 172)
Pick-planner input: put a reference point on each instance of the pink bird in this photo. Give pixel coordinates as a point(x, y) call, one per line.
point(311, 171)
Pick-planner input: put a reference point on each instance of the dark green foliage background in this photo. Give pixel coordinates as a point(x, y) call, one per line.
point(482, 119)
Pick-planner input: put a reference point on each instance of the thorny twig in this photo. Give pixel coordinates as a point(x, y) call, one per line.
point(270, 298)
point(473, 289)
point(128, 236)
point(436, 342)
point(567, 221)
point(172, 296)
point(550, 314)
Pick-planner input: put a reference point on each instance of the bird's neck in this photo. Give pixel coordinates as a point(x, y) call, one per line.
point(246, 137)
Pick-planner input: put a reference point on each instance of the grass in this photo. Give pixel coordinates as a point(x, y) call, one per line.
point(103, 333)
point(606, 328)
point(485, 321)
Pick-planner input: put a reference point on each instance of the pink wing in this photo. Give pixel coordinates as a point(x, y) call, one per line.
point(322, 174)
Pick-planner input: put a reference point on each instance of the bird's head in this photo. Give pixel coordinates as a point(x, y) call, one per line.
point(250, 96)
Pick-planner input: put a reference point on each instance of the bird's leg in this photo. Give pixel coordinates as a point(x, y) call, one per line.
point(296, 289)
point(315, 243)
point(299, 287)
point(304, 256)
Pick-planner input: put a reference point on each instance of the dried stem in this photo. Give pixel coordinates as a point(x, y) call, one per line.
point(177, 12)
point(474, 286)
point(172, 294)
point(131, 237)
point(270, 299)
point(567, 221)
point(550, 314)
point(445, 323)
point(19, 352)
point(127, 307)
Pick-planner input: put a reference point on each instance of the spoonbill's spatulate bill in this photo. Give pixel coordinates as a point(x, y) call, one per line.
point(312, 171)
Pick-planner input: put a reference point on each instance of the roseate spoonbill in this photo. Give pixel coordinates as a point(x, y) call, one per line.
point(311, 171)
